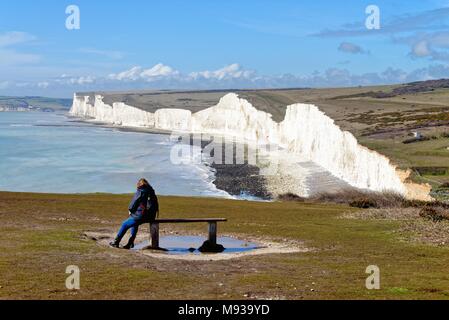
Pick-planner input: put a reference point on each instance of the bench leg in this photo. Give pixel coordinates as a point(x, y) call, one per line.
point(154, 234)
point(213, 233)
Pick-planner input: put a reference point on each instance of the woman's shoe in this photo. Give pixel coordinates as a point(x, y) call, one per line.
point(129, 245)
point(115, 244)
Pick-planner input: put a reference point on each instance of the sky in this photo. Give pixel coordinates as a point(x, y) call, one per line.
point(211, 44)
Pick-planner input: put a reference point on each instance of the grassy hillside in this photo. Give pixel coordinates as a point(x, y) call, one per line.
point(44, 234)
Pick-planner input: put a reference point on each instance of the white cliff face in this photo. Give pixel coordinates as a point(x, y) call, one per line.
point(238, 118)
point(173, 119)
point(117, 114)
point(306, 131)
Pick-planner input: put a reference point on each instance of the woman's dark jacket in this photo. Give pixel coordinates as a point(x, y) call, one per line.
point(144, 204)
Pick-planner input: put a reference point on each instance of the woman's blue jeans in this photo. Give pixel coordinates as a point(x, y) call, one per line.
point(132, 224)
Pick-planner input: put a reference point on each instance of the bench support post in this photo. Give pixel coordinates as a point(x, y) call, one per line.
point(213, 233)
point(154, 234)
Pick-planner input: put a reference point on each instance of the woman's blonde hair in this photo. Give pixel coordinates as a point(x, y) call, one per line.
point(142, 182)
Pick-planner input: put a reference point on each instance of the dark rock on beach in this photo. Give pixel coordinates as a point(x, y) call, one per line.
point(236, 179)
point(241, 179)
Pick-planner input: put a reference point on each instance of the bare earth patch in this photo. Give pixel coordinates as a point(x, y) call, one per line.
point(420, 230)
point(412, 226)
point(266, 247)
point(384, 213)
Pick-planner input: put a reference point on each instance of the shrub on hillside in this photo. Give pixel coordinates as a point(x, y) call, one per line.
point(362, 199)
point(365, 199)
point(291, 197)
point(364, 203)
point(434, 214)
point(352, 197)
point(413, 140)
point(445, 185)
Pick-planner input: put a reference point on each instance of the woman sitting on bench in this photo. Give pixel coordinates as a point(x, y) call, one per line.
point(143, 208)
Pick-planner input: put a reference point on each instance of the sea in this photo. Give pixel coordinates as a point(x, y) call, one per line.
point(51, 153)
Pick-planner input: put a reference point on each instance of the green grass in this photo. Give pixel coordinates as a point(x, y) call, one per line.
point(426, 153)
point(432, 153)
point(43, 235)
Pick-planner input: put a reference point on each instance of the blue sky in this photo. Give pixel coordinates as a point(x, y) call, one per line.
point(218, 44)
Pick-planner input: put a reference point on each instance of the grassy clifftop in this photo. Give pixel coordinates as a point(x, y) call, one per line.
point(44, 235)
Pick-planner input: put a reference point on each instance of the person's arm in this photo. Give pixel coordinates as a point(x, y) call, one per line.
point(135, 202)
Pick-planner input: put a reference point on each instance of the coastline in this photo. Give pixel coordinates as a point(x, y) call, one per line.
point(240, 181)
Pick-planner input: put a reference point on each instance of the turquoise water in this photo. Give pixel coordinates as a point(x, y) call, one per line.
point(47, 152)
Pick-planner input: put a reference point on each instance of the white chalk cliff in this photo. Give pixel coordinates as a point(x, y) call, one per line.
point(306, 132)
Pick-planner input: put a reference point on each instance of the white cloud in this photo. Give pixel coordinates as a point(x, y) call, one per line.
point(82, 80)
point(68, 80)
point(433, 45)
point(15, 37)
point(128, 75)
point(235, 76)
point(157, 72)
point(421, 49)
point(231, 77)
point(232, 71)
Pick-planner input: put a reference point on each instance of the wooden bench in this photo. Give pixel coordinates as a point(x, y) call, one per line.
point(212, 222)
